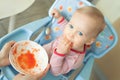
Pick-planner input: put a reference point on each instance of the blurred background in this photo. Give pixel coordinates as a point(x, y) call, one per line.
point(105, 68)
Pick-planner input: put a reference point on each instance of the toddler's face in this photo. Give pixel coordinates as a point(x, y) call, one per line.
point(80, 29)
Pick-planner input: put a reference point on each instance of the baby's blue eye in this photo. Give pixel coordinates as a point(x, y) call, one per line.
point(71, 26)
point(80, 33)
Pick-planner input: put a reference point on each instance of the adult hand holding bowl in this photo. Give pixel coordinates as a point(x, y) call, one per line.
point(28, 57)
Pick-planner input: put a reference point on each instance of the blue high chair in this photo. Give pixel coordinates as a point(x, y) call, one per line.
point(106, 40)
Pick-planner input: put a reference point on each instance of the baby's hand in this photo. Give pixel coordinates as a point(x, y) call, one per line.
point(64, 45)
point(56, 14)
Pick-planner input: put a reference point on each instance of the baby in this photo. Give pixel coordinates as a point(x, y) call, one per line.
point(67, 51)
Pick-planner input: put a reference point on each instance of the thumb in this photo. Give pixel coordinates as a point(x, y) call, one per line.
point(44, 72)
point(18, 77)
point(8, 46)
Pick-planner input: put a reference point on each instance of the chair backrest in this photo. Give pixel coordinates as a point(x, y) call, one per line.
point(105, 41)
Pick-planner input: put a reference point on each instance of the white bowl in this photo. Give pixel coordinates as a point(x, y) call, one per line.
point(28, 57)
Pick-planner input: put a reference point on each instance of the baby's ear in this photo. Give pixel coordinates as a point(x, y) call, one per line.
point(90, 41)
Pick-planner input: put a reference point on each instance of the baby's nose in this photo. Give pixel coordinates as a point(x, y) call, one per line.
point(71, 37)
point(73, 33)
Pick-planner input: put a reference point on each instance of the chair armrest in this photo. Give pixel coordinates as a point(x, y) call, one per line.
point(36, 25)
point(86, 71)
point(25, 32)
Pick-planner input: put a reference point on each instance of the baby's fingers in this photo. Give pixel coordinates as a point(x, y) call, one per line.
point(69, 45)
point(55, 13)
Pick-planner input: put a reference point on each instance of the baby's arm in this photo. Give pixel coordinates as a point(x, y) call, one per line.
point(48, 48)
point(56, 14)
point(58, 61)
point(60, 64)
point(4, 53)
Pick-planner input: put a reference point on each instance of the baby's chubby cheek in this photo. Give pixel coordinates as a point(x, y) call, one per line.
point(78, 42)
point(74, 46)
